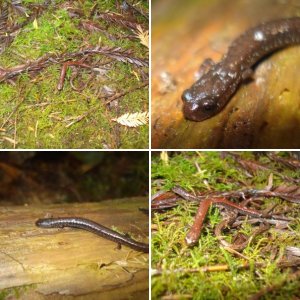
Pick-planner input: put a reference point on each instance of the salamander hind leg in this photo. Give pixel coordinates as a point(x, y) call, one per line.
point(247, 74)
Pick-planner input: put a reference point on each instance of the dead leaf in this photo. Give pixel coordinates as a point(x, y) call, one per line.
point(35, 24)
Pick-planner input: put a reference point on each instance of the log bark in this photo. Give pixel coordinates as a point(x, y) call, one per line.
point(67, 263)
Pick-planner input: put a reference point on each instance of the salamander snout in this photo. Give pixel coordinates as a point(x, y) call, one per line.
point(197, 107)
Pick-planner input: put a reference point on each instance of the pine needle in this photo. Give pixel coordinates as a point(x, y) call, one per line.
point(133, 120)
point(142, 35)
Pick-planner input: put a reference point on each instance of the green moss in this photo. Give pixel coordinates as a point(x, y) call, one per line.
point(208, 171)
point(16, 292)
point(43, 112)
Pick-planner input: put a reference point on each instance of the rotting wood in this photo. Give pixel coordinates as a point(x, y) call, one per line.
point(262, 114)
point(74, 262)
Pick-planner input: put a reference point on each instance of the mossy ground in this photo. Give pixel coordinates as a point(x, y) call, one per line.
point(35, 114)
point(169, 229)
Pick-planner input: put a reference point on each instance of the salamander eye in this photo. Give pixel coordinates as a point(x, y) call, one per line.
point(209, 105)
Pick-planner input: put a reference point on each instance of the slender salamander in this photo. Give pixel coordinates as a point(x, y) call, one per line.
point(95, 228)
point(208, 96)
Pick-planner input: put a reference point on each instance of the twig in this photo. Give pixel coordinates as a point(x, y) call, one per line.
point(232, 251)
point(119, 95)
point(15, 109)
point(221, 268)
point(14, 259)
point(15, 132)
point(80, 118)
point(8, 139)
point(36, 129)
point(13, 112)
point(205, 269)
point(272, 288)
point(195, 231)
point(137, 10)
point(118, 19)
point(116, 53)
point(64, 71)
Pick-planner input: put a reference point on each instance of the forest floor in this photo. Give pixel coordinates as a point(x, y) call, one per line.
point(37, 109)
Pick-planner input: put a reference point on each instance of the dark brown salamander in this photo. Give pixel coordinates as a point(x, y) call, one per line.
point(95, 228)
point(207, 96)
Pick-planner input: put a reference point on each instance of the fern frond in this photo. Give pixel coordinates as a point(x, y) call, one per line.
point(143, 36)
point(133, 120)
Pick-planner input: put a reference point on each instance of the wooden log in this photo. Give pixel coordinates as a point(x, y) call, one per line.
point(70, 262)
point(264, 113)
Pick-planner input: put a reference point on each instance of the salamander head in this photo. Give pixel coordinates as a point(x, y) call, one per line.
point(199, 106)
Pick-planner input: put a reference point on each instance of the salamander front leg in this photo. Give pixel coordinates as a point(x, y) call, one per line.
point(206, 65)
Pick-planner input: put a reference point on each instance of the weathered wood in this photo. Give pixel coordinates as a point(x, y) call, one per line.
point(70, 262)
point(262, 114)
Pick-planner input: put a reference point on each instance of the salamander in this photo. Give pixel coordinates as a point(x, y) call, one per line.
point(95, 228)
point(214, 89)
